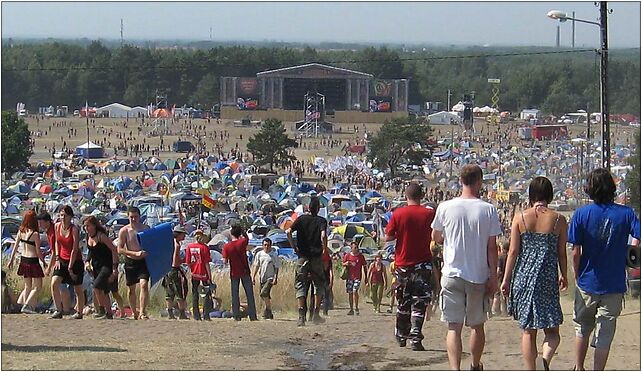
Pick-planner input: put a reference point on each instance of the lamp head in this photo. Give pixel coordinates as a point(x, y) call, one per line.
point(557, 14)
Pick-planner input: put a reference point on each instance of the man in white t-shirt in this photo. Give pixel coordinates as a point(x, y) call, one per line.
point(266, 265)
point(467, 226)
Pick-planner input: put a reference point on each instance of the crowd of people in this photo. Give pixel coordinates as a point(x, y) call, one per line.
point(446, 257)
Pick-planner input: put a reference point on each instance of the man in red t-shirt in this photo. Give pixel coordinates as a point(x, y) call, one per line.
point(197, 256)
point(356, 264)
point(410, 226)
point(235, 253)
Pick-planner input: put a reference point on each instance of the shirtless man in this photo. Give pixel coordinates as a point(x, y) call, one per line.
point(136, 271)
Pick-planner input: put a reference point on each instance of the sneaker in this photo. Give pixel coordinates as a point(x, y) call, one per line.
point(136, 316)
point(100, 314)
point(356, 312)
point(255, 319)
point(26, 309)
point(401, 342)
point(325, 312)
point(170, 314)
point(196, 317)
point(266, 314)
point(316, 319)
point(237, 318)
point(351, 312)
point(56, 315)
point(480, 367)
point(76, 316)
point(417, 346)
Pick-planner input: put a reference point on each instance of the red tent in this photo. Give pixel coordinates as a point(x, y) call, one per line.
point(357, 149)
point(46, 189)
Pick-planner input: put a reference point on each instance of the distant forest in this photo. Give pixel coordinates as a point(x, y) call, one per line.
point(68, 73)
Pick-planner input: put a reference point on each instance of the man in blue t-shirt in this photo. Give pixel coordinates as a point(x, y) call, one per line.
point(599, 233)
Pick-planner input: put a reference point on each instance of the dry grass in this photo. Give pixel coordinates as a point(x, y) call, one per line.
point(283, 299)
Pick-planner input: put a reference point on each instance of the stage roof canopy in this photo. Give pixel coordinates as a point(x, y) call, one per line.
point(314, 70)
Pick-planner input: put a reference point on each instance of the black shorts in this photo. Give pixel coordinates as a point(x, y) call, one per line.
point(135, 270)
point(101, 278)
point(78, 269)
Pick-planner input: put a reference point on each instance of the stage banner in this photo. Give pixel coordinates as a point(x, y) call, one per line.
point(380, 104)
point(382, 88)
point(247, 96)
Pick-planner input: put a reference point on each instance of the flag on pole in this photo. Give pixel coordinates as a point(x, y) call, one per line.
point(208, 202)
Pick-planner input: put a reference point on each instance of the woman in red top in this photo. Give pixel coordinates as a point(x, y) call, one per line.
point(68, 266)
point(378, 282)
point(356, 263)
point(31, 271)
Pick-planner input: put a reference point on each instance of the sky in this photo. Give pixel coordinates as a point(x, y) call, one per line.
point(432, 23)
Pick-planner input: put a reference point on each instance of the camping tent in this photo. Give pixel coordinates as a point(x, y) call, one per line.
point(90, 150)
point(162, 113)
point(443, 118)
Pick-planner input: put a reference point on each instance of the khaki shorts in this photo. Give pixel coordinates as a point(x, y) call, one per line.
point(266, 288)
point(309, 270)
point(599, 312)
point(463, 302)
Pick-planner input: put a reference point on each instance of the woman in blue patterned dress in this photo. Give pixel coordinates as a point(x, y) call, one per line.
point(532, 282)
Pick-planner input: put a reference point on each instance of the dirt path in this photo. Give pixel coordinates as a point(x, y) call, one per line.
point(342, 343)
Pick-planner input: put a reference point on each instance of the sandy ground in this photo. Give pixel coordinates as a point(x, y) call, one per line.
point(342, 343)
point(620, 135)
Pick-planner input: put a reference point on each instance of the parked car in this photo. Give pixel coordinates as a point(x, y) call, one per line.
point(183, 146)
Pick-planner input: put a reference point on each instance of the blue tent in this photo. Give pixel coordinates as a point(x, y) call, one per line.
point(160, 166)
point(90, 150)
point(369, 195)
point(220, 165)
point(356, 218)
point(305, 187)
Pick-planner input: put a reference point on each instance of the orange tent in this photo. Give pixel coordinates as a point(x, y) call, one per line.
point(162, 113)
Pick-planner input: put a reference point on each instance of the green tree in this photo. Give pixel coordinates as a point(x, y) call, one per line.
point(633, 177)
point(207, 91)
point(16, 148)
point(395, 140)
point(271, 144)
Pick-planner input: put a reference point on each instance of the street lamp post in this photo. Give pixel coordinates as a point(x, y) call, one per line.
point(604, 59)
